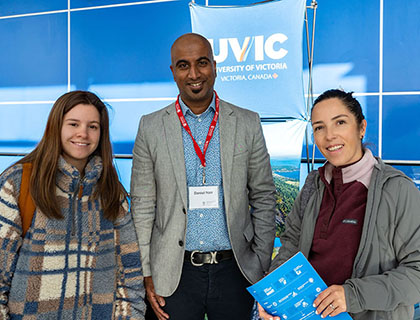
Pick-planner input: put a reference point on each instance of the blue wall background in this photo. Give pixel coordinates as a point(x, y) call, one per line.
point(121, 51)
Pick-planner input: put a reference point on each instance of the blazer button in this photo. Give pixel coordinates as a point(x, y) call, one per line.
point(181, 243)
point(184, 211)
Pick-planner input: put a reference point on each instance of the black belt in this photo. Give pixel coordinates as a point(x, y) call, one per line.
point(198, 258)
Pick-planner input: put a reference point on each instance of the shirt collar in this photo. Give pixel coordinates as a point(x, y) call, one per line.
point(360, 171)
point(185, 108)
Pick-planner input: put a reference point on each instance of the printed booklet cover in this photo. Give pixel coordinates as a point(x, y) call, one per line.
point(290, 290)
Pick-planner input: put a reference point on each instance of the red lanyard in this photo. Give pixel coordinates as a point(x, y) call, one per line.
point(201, 155)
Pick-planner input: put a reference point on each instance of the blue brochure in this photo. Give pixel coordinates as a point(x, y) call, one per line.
point(290, 290)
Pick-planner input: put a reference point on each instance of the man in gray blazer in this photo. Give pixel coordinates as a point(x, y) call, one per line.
point(202, 196)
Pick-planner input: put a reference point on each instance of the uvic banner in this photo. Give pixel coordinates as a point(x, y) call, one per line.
point(258, 51)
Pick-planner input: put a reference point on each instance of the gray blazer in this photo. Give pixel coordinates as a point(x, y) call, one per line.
point(159, 194)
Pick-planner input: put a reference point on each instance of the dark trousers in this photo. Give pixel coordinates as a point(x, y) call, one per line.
point(218, 290)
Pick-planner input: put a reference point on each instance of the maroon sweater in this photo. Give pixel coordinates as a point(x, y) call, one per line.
point(340, 221)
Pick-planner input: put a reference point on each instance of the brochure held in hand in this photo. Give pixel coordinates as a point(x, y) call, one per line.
point(290, 290)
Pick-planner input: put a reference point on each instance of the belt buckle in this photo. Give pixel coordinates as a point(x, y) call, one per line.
point(213, 258)
point(192, 259)
point(213, 255)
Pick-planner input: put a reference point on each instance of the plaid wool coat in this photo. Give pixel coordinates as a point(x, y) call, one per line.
point(79, 267)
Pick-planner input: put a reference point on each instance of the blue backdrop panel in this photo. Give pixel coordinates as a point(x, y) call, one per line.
point(167, 91)
point(124, 119)
point(346, 45)
point(401, 45)
point(94, 3)
point(6, 161)
point(401, 130)
point(258, 50)
point(33, 57)
point(370, 107)
point(14, 7)
point(123, 167)
point(413, 172)
point(125, 45)
point(23, 135)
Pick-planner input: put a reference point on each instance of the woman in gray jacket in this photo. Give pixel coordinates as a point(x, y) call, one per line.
point(357, 221)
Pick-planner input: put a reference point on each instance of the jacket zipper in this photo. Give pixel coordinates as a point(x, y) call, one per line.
point(73, 222)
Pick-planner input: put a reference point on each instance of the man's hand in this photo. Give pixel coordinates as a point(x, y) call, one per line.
point(331, 301)
point(264, 315)
point(156, 301)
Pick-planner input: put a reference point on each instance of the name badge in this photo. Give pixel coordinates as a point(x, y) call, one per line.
point(205, 197)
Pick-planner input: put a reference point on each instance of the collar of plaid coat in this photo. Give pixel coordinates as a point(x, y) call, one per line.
point(69, 178)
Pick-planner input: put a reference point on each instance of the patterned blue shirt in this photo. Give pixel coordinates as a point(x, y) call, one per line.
point(206, 228)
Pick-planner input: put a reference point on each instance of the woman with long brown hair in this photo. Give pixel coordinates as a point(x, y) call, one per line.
point(79, 259)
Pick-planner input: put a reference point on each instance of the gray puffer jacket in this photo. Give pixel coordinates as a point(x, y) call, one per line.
point(385, 283)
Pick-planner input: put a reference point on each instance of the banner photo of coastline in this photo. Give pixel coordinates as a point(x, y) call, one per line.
point(284, 143)
point(259, 65)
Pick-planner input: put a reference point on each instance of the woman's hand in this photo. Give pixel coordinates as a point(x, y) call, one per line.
point(264, 315)
point(331, 301)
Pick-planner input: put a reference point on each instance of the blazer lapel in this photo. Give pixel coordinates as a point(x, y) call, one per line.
point(173, 135)
point(227, 125)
